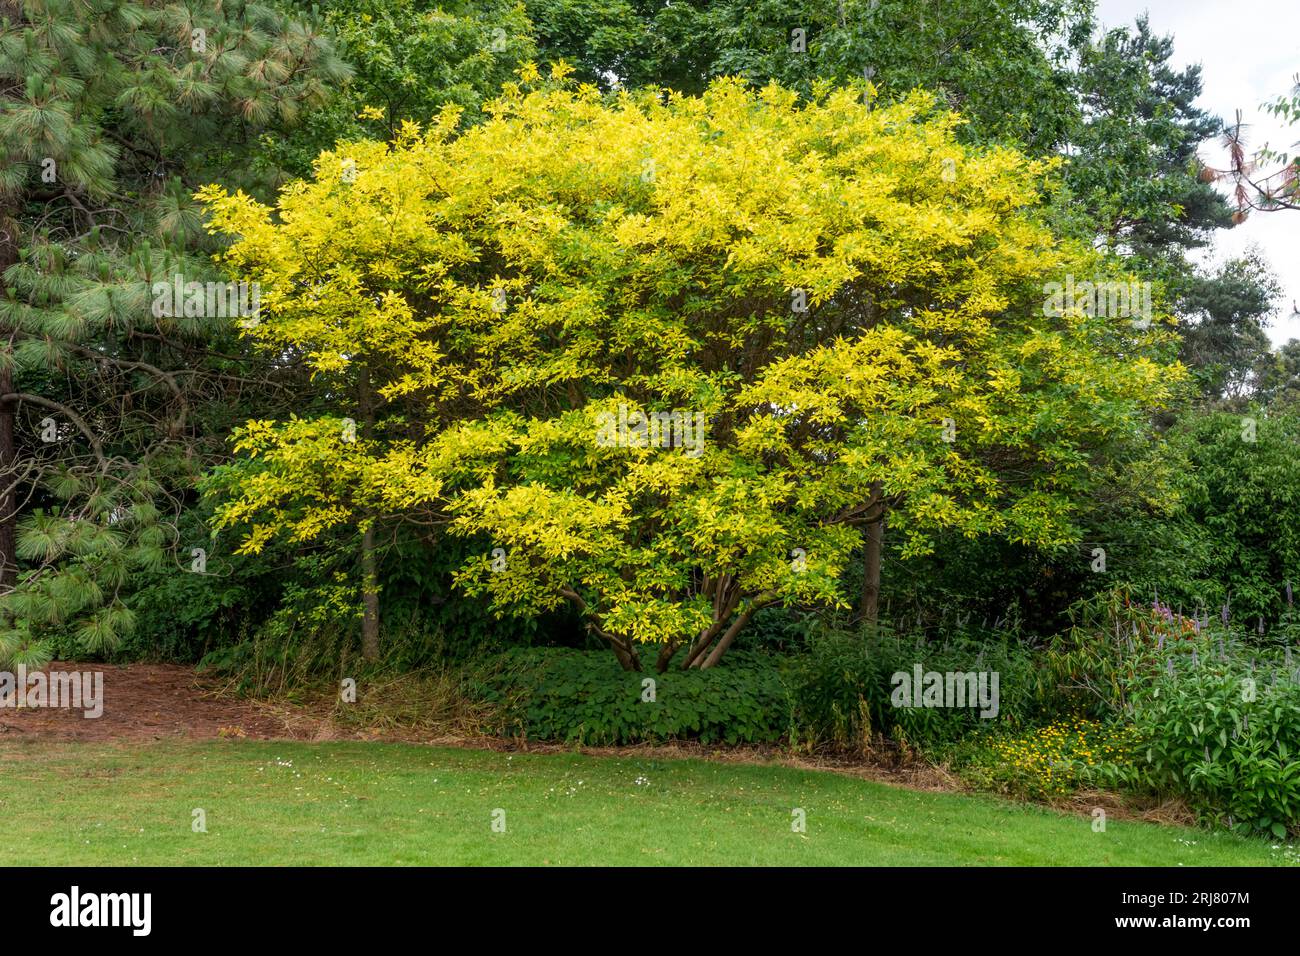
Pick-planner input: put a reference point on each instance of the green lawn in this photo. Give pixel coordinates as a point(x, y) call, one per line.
point(358, 803)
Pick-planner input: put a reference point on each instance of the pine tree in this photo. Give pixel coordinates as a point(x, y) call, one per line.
point(112, 114)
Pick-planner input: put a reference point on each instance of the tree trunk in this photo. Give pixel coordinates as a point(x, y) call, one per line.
point(873, 539)
point(8, 493)
point(720, 648)
point(8, 450)
point(625, 651)
point(369, 595)
point(627, 656)
point(369, 557)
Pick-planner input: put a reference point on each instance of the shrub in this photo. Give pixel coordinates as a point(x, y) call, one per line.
point(1200, 730)
point(1226, 745)
point(841, 687)
point(1240, 514)
point(1114, 642)
point(584, 697)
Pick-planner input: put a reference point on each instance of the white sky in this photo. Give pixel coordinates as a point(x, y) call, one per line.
point(1249, 53)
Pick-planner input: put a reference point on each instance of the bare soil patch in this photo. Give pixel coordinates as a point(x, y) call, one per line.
point(144, 702)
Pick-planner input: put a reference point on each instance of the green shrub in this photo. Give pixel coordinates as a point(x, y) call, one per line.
point(1115, 640)
point(562, 694)
point(1180, 684)
point(1241, 512)
point(1234, 759)
point(841, 688)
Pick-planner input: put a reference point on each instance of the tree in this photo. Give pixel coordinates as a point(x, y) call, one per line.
point(1002, 65)
point(1133, 173)
point(1223, 316)
point(1031, 74)
point(336, 274)
point(413, 57)
point(1277, 375)
point(654, 354)
point(1253, 188)
point(1135, 183)
point(109, 403)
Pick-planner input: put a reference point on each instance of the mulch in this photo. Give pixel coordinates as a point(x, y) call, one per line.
point(145, 702)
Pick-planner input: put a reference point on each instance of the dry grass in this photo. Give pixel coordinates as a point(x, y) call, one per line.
point(400, 707)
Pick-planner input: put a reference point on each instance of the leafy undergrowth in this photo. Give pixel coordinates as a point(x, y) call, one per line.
point(280, 803)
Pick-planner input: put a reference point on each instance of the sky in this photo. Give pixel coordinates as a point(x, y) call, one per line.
point(1249, 53)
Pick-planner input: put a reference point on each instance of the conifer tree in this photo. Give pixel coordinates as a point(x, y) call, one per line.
point(112, 112)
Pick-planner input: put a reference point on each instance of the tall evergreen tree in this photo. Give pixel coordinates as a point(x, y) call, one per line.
point(1135, 182)
point(112, 112)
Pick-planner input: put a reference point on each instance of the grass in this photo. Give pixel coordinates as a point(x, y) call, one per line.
point(372, 803)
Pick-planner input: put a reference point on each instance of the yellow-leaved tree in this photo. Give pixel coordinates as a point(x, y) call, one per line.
point(674, 359)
